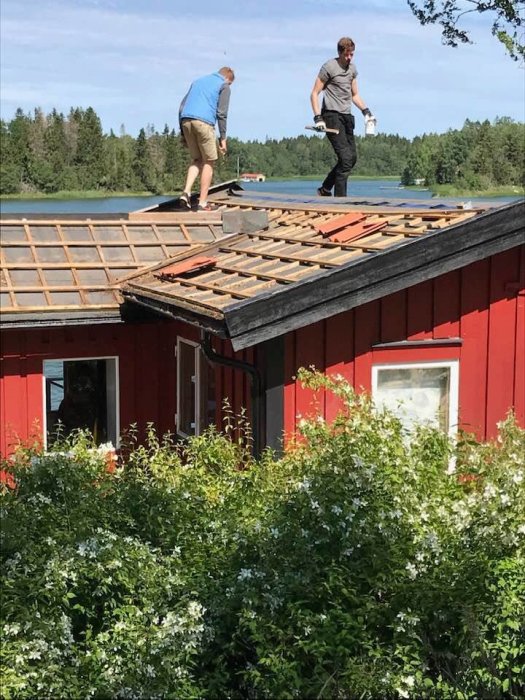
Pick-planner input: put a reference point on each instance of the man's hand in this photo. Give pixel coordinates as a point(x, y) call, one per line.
point(319, 123)
point(222, 146)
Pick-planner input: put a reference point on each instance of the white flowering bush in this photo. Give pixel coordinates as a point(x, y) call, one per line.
point(364, 563)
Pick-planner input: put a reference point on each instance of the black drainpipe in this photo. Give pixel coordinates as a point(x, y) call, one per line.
point(257, 396)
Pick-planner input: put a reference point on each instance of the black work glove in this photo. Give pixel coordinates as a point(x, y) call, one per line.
point(319, 123)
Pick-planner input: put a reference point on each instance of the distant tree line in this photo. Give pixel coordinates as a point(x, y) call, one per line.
point(51, 153)
point(477, 157)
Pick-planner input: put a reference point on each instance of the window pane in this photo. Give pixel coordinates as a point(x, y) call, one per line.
point(81, 394)
point(186, 388)
point(416, 395)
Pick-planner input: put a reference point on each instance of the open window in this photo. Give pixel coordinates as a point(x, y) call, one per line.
point(195, 389)
point(419, 393)
point(82, 394)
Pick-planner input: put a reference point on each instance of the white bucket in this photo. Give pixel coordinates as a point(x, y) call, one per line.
point(370, 126)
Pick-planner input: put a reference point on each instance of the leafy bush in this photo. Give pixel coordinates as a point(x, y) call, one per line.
point(364, 563)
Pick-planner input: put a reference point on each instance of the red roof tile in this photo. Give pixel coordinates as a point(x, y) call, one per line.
point(189, 265)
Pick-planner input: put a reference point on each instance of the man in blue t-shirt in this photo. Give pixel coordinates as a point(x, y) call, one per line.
point(338, 79)
point(205, 104)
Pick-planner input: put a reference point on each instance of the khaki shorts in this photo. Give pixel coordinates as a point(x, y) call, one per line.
point(200, 139)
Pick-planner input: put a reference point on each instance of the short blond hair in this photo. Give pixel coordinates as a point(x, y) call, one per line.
point(227, 73)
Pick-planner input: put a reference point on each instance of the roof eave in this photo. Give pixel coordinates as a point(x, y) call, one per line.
point(59, 318)
point(213, 324)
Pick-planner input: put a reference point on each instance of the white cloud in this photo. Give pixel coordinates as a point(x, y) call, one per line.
point(133, 61)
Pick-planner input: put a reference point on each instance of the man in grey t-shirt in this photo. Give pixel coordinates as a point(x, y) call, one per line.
point(338, 80)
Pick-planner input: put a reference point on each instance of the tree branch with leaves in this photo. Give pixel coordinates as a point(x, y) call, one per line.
point(508, 20)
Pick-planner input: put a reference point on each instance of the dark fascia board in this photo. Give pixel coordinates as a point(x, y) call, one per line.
point(272, 314)
point(176, 313)
point(59, 318)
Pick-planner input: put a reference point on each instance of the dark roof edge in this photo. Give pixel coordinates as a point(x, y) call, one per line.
point(166, 206)
point(176, 313)
point(392, 280)
point(28, 320)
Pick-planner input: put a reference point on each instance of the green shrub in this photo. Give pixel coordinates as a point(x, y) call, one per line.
point(365, 563)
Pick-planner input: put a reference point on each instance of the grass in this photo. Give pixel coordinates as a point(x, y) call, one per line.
point(499, 191)
point(74, 194)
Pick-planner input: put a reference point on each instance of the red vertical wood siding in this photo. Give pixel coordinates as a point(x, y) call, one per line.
point(310, 352)
point(339, 351)
point(232, 384)
point(482, 303)
point(519, 376)
point(146, 366)
point(502, 336)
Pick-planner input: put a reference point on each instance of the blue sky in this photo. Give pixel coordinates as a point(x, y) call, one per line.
point(133, 60)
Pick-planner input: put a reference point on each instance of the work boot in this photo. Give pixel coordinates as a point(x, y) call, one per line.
point(323, 193)
point(185, 200)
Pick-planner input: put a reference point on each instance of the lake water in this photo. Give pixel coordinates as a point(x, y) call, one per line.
point(387, 189)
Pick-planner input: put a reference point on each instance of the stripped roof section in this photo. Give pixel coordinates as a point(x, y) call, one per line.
point(296, 246)
point(50, 266)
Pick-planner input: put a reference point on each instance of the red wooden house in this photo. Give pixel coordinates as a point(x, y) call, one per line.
point(160, 316)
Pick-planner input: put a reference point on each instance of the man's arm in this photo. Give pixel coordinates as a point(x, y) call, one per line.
point(222, 115)
point(183, 140)
point(356, 97)
point(314, 96)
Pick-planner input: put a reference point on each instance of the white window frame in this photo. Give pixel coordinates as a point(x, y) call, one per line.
point(451, 365)
point(109, 385)
point(196, 386)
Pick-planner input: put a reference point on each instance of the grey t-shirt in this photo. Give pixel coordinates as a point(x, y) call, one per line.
point(337, 86)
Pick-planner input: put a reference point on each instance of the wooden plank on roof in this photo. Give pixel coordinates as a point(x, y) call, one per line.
point(254, 274)
point(314, 240)
point(176, 217)
point(262, 254)
point(71, 266)
point(197, 284)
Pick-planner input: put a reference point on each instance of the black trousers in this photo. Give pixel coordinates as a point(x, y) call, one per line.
point(343, 144)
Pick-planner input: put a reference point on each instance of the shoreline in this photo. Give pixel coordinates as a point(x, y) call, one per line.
point(443, 191)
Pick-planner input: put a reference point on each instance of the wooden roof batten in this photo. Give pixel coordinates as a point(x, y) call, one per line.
point(288, 252)
point(361, 281)
point(85, 258)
